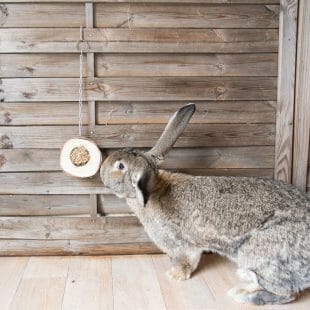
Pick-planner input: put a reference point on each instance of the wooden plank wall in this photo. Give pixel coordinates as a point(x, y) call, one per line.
point(144, 60)
point(301, 172)
point(286, 90)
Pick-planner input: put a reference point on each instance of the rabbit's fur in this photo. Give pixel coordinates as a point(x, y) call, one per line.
point(260, 224)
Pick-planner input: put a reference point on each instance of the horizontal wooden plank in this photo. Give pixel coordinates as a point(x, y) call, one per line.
point(40, 65)
point(135, 112)
point(212, 112)
point(157, 88)
point(14, 160)
point(109, 65)
point(42, 113)
point(60, 183)
point(107, 40)
point(221, 158)
point(137, 15)
point(108, 230)
point(115, 136)
point(157, 15)
point(42, 15)
point(17, 247)
point(151, 1)
point(121, 65)
point(25, 205)
point(57, 183)
point(264, 173)
point(110, 204)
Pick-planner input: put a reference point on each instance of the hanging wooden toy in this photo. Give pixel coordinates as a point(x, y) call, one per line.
point(80, 156)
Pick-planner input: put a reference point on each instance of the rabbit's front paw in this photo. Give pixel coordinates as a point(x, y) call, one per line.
point(178, 273)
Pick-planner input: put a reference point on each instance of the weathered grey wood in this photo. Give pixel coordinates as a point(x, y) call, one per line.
point(64, 40)
point(14, 160)
point(72, 247)
point(286, 90)
point(108, 230)
point(210, 112)
point(159, 1)
point(302, 103)
point(41, 113)
point(156, 15)
point(220, 158)
point(59, 183)
point(157, 88)
point(40, 65)
point(89, 13)
point(42, 15)
point(26, 205)
point(112, 65)
point(110, 204)
point(30, 96)
point(265, 173)
point(115, 136)
point(133, 112)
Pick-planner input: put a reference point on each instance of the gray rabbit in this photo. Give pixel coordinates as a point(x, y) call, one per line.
point(260, 224)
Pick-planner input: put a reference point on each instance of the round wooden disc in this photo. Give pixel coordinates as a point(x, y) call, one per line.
point(83, 165)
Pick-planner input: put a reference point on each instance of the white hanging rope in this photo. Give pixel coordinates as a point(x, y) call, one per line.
point(80, 123)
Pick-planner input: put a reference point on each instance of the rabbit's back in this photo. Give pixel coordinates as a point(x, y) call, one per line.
point(231, 205)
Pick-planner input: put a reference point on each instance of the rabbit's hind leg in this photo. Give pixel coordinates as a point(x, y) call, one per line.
point(250, 285)
point(258, 297)
point(183, 263)
point(251, 292)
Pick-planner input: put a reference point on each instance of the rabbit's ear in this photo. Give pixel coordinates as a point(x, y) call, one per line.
point(141, 182)
point(173, 130)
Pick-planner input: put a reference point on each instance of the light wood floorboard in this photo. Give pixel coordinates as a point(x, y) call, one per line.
point(89, 284)
point(119, 282)
point(42, 284)
point(11, 271)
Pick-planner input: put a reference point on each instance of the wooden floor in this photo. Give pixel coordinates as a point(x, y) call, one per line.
point(117, 282)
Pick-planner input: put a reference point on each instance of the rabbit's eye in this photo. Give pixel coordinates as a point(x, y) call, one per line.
point(121, 166)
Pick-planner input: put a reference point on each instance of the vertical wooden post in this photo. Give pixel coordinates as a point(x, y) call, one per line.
point(302, 99)
point(89, 13)
point(286, 90)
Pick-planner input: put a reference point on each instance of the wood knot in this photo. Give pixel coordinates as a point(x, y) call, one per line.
point(27, 95)
point(28, 69)
point(2, 160)
point(4, 13)
point(5, 142)
point(220, 92)
point(221, 67)
point(220, 89)
point(1, 93)
point(7, 118)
